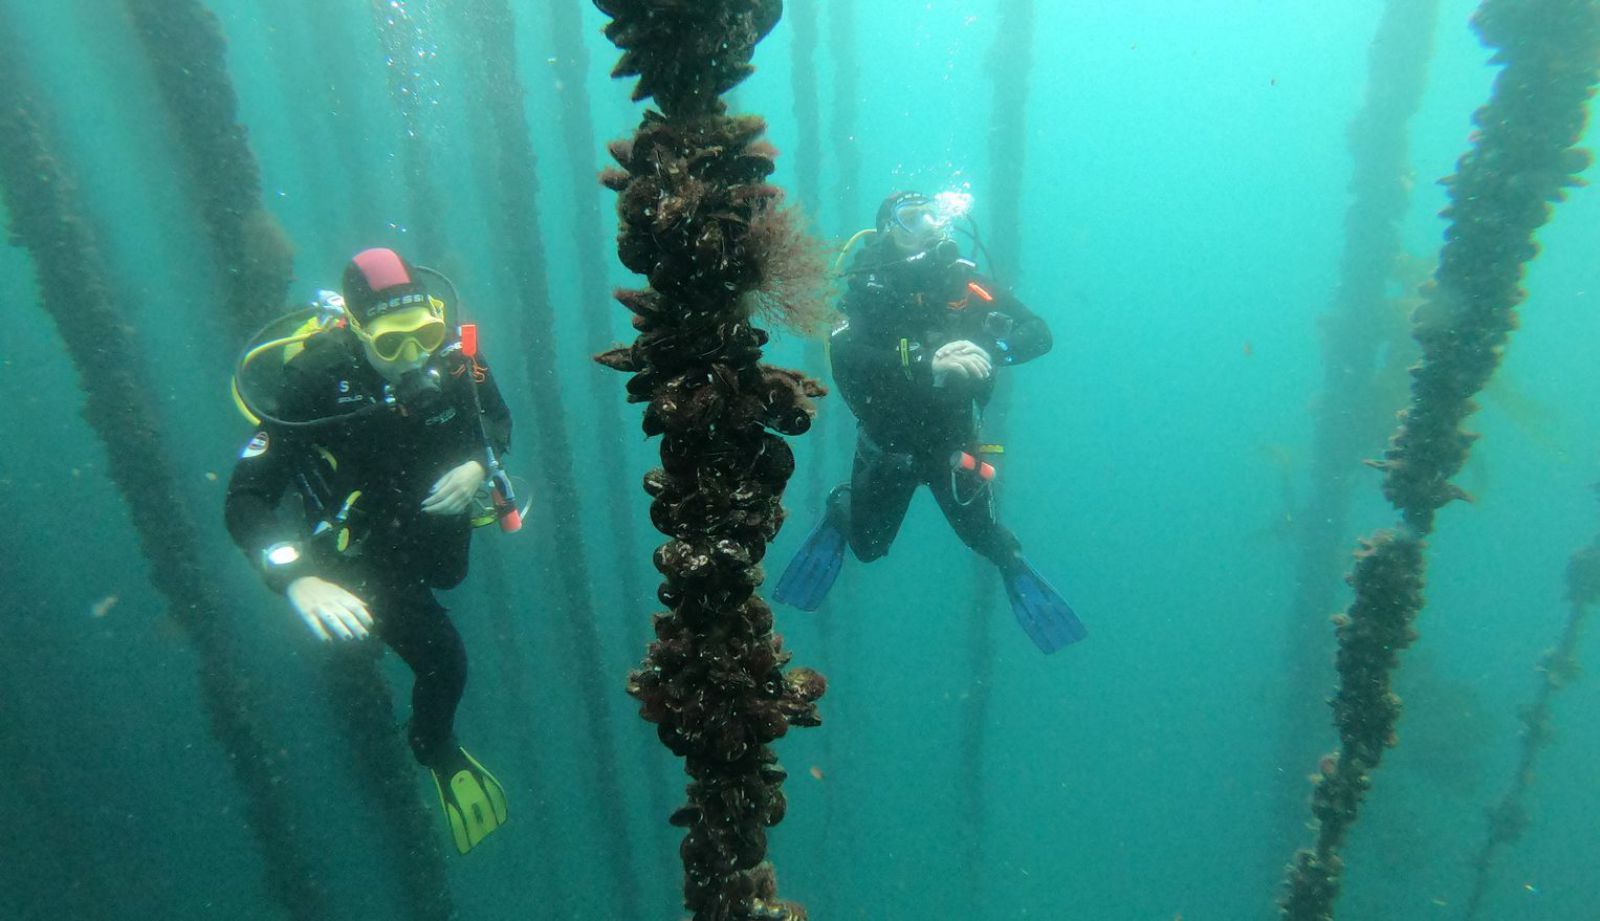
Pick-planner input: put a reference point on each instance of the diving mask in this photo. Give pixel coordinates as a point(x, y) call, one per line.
point(406, 336)
point(921, 223)
point(917, 224)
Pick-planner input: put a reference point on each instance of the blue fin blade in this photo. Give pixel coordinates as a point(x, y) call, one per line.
point(808, 577)
point(1042, 613)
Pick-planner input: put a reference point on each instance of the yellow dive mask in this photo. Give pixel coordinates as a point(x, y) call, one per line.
point(406, 335)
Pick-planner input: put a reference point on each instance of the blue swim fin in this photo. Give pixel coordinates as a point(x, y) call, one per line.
point(1044, 615)
point(806, 580)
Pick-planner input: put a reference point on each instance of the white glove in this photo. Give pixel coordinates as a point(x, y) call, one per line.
point(329, 610)
point(963, 359)
point(453, 492)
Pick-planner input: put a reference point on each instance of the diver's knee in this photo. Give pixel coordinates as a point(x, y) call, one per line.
point(453, 666)
point(867, 549)
point(999, 546)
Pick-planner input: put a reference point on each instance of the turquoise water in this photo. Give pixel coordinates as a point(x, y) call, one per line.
point(1184, 191)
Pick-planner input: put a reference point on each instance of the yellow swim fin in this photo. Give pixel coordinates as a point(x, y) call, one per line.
point(474, 802)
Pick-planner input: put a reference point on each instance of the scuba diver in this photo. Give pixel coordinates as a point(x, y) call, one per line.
point(386, 424)
point(915, 357)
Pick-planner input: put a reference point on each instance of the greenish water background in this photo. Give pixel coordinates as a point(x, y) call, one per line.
point(1184, 195)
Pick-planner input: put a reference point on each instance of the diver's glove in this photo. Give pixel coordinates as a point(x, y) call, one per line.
point(452, 493)
point(963, 359)
point(328, 610)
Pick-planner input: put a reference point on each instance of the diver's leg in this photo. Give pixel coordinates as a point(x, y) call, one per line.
point(418, 630)
point(1040, 610)
point(881, 485)
point(969, 507)
point(414, 624)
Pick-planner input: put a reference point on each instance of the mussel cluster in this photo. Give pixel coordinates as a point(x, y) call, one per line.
point(692, 182)
point(687, 53)
point(1522, 159)
point(1378, 626)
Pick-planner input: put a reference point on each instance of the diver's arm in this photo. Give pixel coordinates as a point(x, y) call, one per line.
point(258, 482)
point(1017, 334)
point(858, 360)
point(484, 427)
point(265, 471)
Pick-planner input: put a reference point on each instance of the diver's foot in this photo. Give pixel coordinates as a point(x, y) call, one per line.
point(474, 802)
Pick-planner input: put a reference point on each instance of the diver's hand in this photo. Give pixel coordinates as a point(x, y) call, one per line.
point(328, 610)
point(454, 491)
point(963, 359)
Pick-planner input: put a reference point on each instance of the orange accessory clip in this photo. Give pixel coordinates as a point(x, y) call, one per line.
point(510, 516)
point(978, 289)
point(967, 463)
point(469, 339)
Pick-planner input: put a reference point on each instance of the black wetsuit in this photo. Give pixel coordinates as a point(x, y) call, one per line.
point(394, 554)
point(897, 315)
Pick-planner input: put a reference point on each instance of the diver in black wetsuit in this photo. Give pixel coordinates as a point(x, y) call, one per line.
point(915, 359)
point(382, 425)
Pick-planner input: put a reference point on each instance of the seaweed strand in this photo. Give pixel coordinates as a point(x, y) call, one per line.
point(64, 872)
point(844, 128)
point(360, 698)
point(1350, 415)
point(1010, 62)
point(409, 51)
point(974, 751)
point(802, 15)
point(343, 76)
point(187, 51)
point(803, 82)
point(579, 138)
point(518, 218)
point(701, 223)
point(842, 43)
point(76, 290)
point(1508, 820)
point(571, 69)
point(1522, 160)
point(512, 667)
